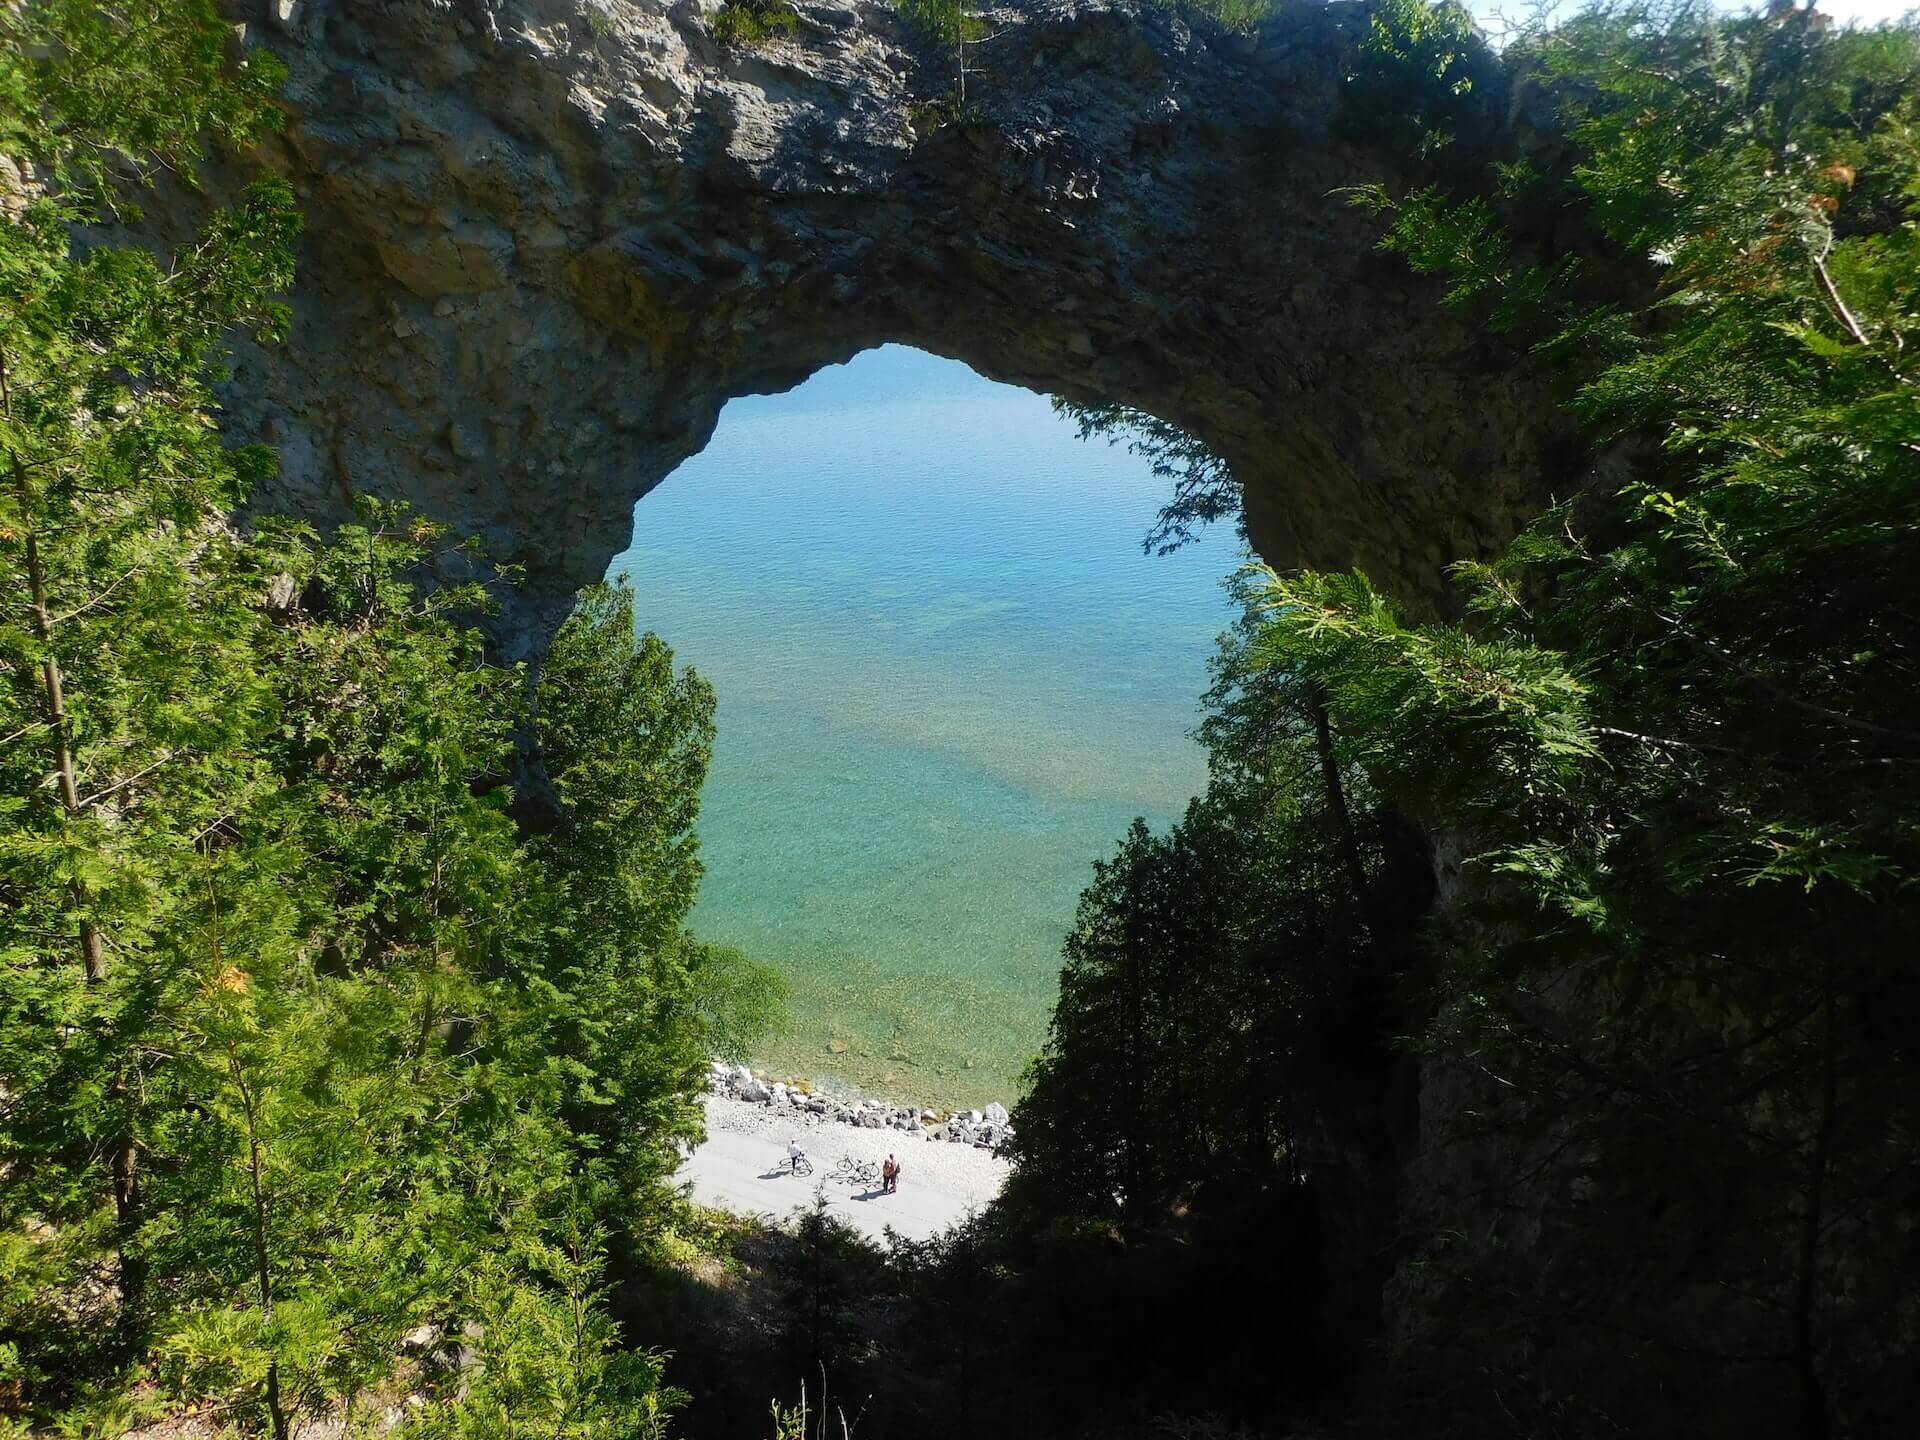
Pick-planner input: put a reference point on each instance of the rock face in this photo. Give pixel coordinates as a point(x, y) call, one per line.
point(549, 239)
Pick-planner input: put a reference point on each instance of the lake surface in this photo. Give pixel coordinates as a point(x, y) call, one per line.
point(948, 679)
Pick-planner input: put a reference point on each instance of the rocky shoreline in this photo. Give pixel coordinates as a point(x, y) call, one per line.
point(987, 1129)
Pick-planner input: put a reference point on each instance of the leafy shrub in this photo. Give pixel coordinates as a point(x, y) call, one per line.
point(1411, 76)
point(755, 22)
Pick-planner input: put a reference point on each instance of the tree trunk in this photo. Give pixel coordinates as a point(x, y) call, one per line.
point(1176, 1007)
point(92, 953)
point(122, 1156)
point(262, 1266)
point(1813, 1396)
point(966, 1336)
point(1134, 1060)
point(1336, 795)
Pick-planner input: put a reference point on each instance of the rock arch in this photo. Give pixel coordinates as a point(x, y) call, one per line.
point(549, 239)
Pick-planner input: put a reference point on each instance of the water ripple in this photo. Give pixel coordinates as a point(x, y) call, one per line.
point(948, 679)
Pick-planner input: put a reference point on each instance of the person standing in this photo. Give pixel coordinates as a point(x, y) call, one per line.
point(890, 1176)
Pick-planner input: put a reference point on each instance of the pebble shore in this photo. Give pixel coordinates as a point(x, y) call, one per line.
point(987, 1129)
point(942, 1184)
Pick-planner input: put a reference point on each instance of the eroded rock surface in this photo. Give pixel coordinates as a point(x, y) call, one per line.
point(549, 239)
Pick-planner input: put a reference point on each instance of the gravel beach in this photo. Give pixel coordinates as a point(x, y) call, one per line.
point(742, 1167)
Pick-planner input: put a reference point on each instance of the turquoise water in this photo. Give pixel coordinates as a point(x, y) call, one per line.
point(948, 680)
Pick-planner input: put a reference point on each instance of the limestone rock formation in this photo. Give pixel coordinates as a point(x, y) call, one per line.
point(549, 239)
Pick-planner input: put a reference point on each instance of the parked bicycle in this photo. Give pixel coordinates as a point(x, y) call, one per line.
point(861, 1174)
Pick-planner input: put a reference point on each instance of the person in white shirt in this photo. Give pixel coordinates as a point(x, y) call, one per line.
point(794, 1154)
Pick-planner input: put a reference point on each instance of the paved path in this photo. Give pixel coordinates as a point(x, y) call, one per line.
point(743, 1167)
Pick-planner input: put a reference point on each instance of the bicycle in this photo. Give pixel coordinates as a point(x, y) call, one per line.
point(799, 1165)
point(859, 1173)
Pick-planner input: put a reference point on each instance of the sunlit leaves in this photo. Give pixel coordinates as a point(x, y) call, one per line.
point(105, 93)
point(1415, 696)
point(1410, 74)
point(321, 1080)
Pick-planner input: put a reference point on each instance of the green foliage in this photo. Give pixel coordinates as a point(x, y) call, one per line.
point(1212, 973)
point(1774, 379)
point(303, 1045)
point(1432, 694)
point(600, 18)
point(1670, 731)
point(826, 1275)
point(1204, 489)
point(1240, 16)
point(104, 93)
point(957, 26)
point(127, 706)
point(1677, 727)
point(789, 1423)
point(546, 1360)
point(1466, 242)
point(1410, 75)
point(754, 22)
point(626, 741)
point(927, 116)
point(951, 22)
point(740, 1002)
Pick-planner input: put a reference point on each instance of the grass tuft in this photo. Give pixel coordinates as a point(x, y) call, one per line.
point(754, 22)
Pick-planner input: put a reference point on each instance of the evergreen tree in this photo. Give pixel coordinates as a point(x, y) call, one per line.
point(643, 1006)
point(1221, 977)
point(1204, 490)
point(127, 705)
point(1672, 735)
point(303, 1046)
point(1677, 728)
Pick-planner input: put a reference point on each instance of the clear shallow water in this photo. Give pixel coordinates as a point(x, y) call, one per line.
point(948, 680)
